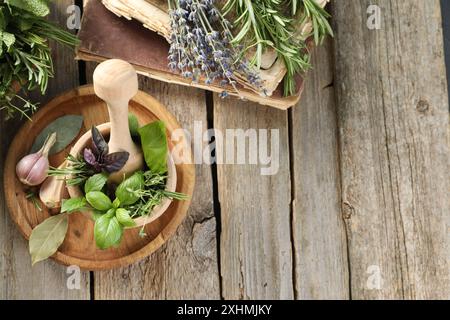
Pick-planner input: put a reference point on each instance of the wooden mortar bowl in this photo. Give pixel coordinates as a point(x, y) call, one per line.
point(158, 211)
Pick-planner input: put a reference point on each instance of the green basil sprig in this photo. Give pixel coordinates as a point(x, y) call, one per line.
point(112, 217)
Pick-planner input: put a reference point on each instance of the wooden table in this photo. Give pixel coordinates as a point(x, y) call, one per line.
point(362, 190)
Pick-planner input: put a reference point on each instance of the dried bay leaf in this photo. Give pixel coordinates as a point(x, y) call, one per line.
point(46, 238)
point(67, 129)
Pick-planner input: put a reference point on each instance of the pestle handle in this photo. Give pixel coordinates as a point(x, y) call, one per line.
point(116, 82)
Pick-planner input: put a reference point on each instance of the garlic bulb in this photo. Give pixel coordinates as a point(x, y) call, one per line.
point(32, 169)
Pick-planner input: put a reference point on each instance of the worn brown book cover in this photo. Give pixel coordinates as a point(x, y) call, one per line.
point(104, 35)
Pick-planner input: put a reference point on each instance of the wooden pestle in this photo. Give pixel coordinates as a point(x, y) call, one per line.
point(116, 82)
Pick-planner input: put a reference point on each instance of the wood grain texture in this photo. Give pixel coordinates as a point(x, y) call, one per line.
point(321, 266)
point(256, 251)
point(186, 266)
point(46, 280)
point(394, 136)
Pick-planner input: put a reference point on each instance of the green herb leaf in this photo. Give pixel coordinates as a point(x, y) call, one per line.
point(134, 125)
point(96, 214)
point(107, 232)
point(95, 183)
point(123, 216)
point(4, 19)
point(67, 129)
point(126, 192)
point(37, 7)
point(26, 62)
point(154, 145)
point(46, 238)
point(99, 200)
point(116, 203)
point(7, 38)
point(31, 196)
point(73, 204)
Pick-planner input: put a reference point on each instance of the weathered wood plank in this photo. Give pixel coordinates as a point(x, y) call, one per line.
point(186, 266)
point(395, 156)
point(46, 280)
point(256, 251)
point(321, 266)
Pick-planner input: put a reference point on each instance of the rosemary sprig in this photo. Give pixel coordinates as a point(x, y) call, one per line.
point(152, 194)
point(25, 56)
point(31, 196)
point(272, 23)
point(76, 172)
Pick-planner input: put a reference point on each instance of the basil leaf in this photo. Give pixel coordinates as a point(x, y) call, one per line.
point(95, 183)
point(111, 212)
point(73, 204)
point(113, 162)
point(126, 192)
point(67, 129)
point(89, 157)
point(99, 200)
point(107, 232)
point(154, 145)
point(46, 238)
point(116, 203)
point(96, 214)
point(133, 123)
point(123, 216)
point(99, 142)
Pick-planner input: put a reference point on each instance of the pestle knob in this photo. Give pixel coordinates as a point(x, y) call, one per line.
point(116, 82)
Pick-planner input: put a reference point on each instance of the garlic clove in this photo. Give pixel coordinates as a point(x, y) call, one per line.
point(54, 190)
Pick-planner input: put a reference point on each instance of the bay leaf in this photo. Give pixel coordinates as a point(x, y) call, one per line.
point(46, 238)
point(67, 129)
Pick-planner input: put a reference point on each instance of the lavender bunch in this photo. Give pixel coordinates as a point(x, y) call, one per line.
point(201, 45)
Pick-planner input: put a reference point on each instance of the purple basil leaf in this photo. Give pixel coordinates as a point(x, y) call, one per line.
point(89, 157)
point(99, 142)
point(115, 161)
point(94, 150)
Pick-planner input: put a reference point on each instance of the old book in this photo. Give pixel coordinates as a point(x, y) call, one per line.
point(154, 15)
point(104, 35)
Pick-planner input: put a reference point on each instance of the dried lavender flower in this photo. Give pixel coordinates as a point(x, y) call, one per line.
point(201, 45)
